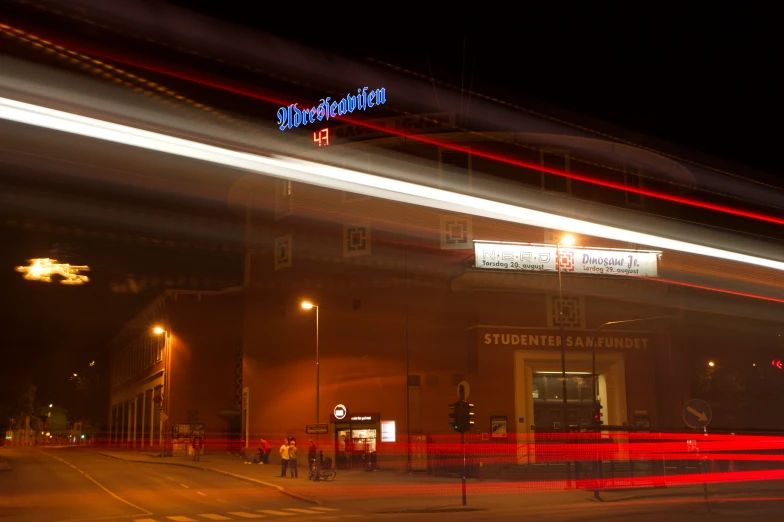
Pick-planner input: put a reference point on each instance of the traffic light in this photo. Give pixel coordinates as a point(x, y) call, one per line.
point(597, 415)
point(465, 422)
point(453, 414)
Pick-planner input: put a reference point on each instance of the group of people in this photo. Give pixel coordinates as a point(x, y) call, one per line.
point(262, 453)
point(289, 453)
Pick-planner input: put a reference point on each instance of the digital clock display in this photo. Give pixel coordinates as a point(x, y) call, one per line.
point(321, 137)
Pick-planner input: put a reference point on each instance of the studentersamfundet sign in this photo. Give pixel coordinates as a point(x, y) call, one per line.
point(532, 257)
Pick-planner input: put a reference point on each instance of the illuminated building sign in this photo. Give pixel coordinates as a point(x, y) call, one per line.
point(293, 116)
point(532, 257)
point(533, 338)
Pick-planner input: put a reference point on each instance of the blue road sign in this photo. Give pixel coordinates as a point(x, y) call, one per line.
point(697, 414)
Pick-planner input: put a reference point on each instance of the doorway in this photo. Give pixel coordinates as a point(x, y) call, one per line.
point(547, 395)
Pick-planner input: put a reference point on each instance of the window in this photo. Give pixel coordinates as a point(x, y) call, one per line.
point(284, 189)
point(455, 168)
point(632, 178)
point(159, 347)
point(557, 160)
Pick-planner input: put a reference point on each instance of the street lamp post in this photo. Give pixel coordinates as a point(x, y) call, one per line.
point(162, 435)
point(566, 240)
point(307, 306)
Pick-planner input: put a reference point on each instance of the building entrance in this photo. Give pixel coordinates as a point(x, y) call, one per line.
point(539, 394)
point(548, 400)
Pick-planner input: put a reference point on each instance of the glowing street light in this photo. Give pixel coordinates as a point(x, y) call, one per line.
point(51, 405)
point(711, 364)
point(567, 240)
point(43, 269)
point(158, 330)
point(307, 305)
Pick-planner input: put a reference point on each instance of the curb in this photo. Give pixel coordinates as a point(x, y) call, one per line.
point(280, 489)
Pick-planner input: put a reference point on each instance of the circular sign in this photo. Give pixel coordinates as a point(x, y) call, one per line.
point(340, 412)
point(697, 414)
point(466, 389)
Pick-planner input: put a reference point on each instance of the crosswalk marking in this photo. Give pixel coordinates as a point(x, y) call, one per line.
point(181, 519)
point(273, 512)
point(243, 514)
point(214, 517)
point(305, 511)
point(325, 509)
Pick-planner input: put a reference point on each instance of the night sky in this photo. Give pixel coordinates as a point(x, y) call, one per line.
point(703, 80)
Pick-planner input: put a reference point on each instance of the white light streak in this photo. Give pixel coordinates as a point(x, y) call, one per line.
point(350, 181)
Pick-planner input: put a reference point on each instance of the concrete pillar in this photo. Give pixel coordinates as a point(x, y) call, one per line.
point(144, 410)
point(135, 417)
point(152, 417)
point(123, 416)
point(129, 431)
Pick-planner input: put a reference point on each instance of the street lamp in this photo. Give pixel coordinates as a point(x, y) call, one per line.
point(307, 305)
point(566, 240)
point(159, 330)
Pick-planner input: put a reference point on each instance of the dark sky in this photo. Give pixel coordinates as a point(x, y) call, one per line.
point(705, 79)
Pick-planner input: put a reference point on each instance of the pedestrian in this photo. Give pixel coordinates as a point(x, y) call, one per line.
point(197, 444)
point(284, 457)
point(293, 459)
point(266, 447)
point(311, 457)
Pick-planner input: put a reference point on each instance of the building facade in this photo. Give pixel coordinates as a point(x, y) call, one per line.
point(176, 369)
point(406, 312)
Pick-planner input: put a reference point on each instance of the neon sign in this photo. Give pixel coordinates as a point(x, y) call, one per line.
point(292, 116)
point(321, 137)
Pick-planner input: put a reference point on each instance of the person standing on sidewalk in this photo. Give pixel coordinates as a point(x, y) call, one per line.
point(311, 457)
point(197, 444)
point(293, 459)
point(265, 449)
point(284, 457)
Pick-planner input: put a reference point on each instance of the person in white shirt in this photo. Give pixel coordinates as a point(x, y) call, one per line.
point(284, 457)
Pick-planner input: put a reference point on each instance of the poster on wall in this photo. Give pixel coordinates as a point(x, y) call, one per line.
point(498, 427)
point(533, 257)
point(387, 431)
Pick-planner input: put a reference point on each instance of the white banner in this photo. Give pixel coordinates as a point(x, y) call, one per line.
point(534, 257)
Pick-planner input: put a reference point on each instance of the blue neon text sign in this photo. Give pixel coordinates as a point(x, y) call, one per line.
point(292, 116)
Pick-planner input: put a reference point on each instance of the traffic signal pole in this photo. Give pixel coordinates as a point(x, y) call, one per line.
point(462, 442)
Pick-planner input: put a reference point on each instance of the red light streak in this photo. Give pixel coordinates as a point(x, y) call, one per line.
point(244, 91)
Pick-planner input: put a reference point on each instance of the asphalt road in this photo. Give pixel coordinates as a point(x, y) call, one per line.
point(78, 484)
point(73, 484)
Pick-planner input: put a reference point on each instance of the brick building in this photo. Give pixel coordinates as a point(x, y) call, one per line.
point(188, 342)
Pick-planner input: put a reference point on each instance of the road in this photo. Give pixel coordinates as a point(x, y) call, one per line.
point(77, 484)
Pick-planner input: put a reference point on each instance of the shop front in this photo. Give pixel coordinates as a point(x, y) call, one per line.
point(356, 439)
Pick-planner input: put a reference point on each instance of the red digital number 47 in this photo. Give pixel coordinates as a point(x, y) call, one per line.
point(321, 137)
